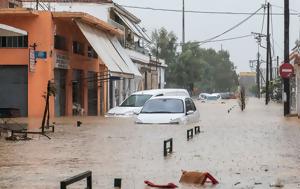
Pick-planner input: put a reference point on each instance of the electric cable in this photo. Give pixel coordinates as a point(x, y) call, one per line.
point(226, 39)
point(233, 27)
point(201, 12)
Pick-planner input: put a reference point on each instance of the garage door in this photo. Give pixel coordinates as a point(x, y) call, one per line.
point(13, 88)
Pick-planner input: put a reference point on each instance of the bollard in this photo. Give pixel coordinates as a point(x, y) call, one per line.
point(197, 130)
point(118, 182)
point(79, 123)
point(189, 134)
point(166, 148)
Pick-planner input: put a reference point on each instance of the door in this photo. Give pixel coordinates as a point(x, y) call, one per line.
point(77, 92)
point(92, 94)
point(14, 88)
point(60, 96)
point(190, 106)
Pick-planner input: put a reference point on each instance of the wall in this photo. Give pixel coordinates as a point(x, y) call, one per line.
point(40, 29)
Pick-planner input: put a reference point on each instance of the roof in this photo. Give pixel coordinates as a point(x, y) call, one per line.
point(171, 97)
point(247, 74)
point(121, 10)
point(88, 19)
point(18, 12)
point(71, 1)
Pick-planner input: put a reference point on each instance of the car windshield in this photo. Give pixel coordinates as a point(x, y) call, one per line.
point(136, 100)
point(212, 97)
point(163, 106)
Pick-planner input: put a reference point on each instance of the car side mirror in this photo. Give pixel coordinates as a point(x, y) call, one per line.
point(189, 112)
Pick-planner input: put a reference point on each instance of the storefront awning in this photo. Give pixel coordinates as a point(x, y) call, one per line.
point(117, 62)
point(6, 30)
point(133, 27)
point(125, 56)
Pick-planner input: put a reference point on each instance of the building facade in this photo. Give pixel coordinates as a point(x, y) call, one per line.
point(135, 41)
point(77, 52)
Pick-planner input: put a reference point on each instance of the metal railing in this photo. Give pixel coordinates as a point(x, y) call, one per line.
point(76, 178)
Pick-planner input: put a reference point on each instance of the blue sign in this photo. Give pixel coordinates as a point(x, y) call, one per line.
point(40, 54)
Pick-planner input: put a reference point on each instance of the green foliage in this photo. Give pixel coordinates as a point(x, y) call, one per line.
point(275, 89)
point(195, 67)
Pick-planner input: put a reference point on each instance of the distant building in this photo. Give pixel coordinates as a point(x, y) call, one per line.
point(247, 80)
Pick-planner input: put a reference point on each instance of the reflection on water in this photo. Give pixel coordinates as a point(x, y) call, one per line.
point(254, 146)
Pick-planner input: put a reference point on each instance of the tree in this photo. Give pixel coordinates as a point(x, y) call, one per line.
point(194, 67)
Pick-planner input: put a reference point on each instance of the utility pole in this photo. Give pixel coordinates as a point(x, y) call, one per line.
point(258, 75)
point(183, 23)
point(37, 5)
point(268, 55)
point(286, 81)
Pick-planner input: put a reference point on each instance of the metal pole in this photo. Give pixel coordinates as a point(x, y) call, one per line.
point(268, 57)
point(286, 82)
point(258, 76)
point(183, 23)
point(277, 67)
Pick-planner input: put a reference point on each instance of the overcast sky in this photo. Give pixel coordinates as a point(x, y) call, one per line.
point(203, 26)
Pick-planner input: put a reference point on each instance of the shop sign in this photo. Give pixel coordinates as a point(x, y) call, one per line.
point(32, 60)
point(62, 61)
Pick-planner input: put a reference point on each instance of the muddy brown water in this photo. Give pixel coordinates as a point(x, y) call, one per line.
point(251, 149)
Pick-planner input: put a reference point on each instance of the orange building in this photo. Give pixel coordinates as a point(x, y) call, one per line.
point(37, 46)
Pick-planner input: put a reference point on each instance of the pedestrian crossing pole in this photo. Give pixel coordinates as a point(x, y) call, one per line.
point(286, 81)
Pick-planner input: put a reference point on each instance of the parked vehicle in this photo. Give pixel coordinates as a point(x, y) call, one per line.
point(204, 97)
point(134, 103)
point(169, 110)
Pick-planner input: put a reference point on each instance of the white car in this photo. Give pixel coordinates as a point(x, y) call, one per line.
point(134, 103)
point(205, 97)
point(169, 110)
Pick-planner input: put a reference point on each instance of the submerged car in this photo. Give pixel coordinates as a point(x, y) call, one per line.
point(204, 97)
point(169, 110)
point(134, 103)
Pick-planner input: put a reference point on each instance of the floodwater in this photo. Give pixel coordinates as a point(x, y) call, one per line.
point(256, 148)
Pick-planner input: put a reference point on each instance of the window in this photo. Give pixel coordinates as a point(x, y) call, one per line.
point(13, 41)
point(78, 48)
point(163, 105)
point(136, 100)
point(60, 42)
point(92, 53)
point(11, 5)
point(189, 105)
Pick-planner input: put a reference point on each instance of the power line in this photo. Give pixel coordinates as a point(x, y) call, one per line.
point(233, 27)
point(201, 12)
point(226, 39)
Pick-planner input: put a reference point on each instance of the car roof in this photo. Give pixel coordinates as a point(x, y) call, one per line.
point(162, 91)
point(170, 97)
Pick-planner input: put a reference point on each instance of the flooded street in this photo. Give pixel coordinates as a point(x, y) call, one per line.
point(251, 149)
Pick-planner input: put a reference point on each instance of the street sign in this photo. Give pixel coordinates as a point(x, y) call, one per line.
point(286, 70)
point(40, 54)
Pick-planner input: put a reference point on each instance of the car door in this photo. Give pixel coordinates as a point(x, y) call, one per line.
point(188, 108)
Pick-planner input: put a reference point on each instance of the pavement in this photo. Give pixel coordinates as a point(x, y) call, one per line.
point(255, 148)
